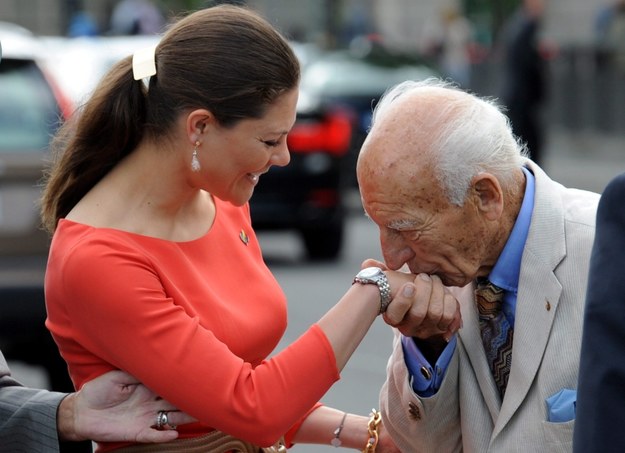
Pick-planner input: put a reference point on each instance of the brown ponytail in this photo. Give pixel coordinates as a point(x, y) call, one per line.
point(93, 141)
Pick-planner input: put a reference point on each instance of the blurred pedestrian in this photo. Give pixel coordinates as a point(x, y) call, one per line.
point(82, 24)
point(154, 266)
point(615, 36)
point(137, 17)
point(524, 89)
point(448, 41)
point(601, 390)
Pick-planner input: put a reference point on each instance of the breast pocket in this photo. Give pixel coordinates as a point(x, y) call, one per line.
point(559, 436)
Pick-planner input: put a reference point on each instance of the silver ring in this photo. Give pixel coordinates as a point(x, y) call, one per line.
point(162, 420)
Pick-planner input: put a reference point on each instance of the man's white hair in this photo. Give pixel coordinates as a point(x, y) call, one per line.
point(473, 135)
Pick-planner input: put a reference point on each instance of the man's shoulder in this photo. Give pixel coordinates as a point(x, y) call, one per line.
point(574, 204)
point(580, 205)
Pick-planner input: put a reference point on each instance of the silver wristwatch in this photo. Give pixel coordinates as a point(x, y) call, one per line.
point(375, 275)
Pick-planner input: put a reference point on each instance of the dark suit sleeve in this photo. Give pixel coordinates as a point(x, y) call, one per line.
point(601, 390)
point(27, 416)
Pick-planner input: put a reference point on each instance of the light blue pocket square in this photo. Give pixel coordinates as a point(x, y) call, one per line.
point(561, 406)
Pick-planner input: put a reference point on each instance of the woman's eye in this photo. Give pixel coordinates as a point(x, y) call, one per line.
point(271, 143)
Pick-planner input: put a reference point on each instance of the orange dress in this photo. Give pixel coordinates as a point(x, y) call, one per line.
point(194, 321)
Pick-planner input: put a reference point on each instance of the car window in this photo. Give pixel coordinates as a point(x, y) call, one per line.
point(29, 113)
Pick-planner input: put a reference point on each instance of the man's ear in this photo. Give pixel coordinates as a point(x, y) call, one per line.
point(488, 195)
point(197, 121)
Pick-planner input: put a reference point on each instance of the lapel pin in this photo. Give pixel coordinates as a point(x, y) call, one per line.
point(244, 237)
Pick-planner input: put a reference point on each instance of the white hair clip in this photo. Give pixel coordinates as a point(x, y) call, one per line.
point(144, 64)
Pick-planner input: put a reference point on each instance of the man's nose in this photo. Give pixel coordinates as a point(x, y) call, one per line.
point(395, 251)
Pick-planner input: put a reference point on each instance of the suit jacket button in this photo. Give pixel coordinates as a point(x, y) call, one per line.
point(414, 411)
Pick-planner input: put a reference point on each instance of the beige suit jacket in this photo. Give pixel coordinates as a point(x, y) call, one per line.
point(466, 414)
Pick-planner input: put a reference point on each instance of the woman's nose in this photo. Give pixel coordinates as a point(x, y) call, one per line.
point(281, 157)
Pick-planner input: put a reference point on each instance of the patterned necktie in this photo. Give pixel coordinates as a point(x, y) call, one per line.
point(496, 332)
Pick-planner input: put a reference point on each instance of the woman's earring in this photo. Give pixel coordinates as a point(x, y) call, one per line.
point(195, 162)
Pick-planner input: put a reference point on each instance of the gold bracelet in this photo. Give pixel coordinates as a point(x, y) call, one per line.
point(372, 428)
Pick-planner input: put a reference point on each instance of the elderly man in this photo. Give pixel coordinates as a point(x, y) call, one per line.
point(459, 204)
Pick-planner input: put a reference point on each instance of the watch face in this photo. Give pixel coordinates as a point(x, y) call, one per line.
point(369, 272)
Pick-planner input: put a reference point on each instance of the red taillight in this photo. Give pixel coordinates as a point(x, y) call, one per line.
point(324, 198)
point(333, 134)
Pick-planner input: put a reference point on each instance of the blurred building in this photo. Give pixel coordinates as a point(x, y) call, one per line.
point(400, 21)
point(586, 90)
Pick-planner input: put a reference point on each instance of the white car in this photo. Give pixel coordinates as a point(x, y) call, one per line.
point(79, 63)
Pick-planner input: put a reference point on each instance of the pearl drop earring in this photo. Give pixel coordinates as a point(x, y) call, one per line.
point(195, 162)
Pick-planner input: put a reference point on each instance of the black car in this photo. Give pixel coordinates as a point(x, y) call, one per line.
point(308, 194)
point(354, 78)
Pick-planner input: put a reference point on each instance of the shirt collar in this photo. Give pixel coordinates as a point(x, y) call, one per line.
point(505, 273)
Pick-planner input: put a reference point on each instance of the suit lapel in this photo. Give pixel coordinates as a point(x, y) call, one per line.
point(538, 294)
point(535, 311)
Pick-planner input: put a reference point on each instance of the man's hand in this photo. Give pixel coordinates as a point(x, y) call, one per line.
point(115, 407)
point(423, 308)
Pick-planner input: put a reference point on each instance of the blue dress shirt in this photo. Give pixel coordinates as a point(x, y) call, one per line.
point(426, 378)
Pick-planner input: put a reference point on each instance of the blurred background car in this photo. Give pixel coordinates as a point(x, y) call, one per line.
point(354, 78)
point(78, 64)
point(32, 107)
point(308, 195)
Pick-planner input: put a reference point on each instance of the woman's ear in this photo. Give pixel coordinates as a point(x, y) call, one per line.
point(197, 121)
point(488, 194)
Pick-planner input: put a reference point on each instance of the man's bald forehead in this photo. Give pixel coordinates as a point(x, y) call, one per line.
point(418, 100)
point(409, 123)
